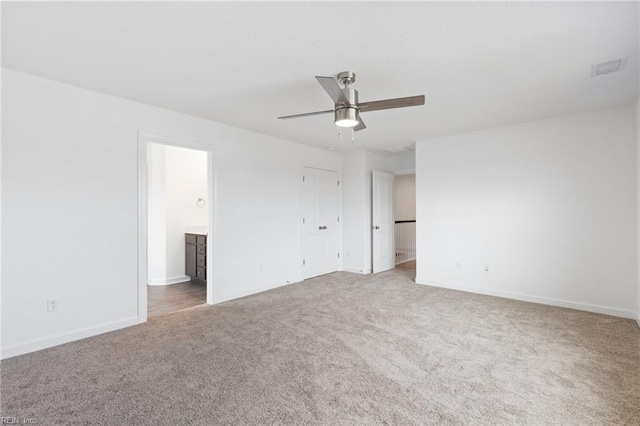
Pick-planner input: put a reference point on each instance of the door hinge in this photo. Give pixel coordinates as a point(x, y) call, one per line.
point(338, 218)
point(338, 183)
point(303, 262)
point(303, 220)
point(303, 178)
point(338, 255)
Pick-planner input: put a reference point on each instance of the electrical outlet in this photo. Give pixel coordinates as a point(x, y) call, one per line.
point(52, 305)
point(486, 268)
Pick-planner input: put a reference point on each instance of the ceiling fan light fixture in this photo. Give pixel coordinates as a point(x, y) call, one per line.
point(347, 117)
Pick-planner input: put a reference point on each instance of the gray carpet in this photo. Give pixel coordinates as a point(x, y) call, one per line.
point(341, 349)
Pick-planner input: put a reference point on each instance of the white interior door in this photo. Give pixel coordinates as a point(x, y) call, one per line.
point(320, 246)
point(383, 246)
point(329, 218)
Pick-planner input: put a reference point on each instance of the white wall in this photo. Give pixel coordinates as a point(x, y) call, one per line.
point(638, 186)
point(548, 205)
point(354, 211)
point(403, 162)
point(69, 186)
point(177, 179)
point(404, 193)
point(638, 205)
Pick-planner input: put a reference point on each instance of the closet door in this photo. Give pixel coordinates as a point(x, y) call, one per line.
point(320, 236)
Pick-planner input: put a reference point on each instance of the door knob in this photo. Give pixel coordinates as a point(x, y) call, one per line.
point(320, 228)
point(376, 227)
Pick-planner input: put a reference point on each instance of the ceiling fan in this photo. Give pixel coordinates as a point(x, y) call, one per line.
point(347, 109)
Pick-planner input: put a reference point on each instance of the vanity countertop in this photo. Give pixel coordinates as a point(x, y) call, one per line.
point(199, 230)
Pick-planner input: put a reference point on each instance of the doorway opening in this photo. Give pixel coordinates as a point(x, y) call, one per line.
point(405, 220)
point(175, 219)
point(393, 220)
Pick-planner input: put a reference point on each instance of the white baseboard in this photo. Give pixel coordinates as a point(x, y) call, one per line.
point(638, 319)
point(249, 291)
point(168, 281)
point(354, 270)
point(61, 338)
point(534, 299)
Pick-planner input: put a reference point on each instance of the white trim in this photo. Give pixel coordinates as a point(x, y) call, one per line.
point(355, 271)
point(142, 229)
point(212, 236)
point(252, 291)
point(607, 310)
point(169, 281)
point(61, 338)
point(405, 172)
point(638, 319)
point(143, 140)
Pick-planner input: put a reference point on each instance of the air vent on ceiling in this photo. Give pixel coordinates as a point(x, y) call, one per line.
point(607, 67)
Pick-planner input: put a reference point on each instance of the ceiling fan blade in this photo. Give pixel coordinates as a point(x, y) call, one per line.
point(330, 85)
point(306, 114)
point(360, 126)
point(391, 103)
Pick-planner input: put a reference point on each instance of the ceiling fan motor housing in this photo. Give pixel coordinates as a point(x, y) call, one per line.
point(347, 115)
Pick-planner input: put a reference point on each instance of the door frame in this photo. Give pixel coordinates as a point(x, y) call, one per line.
point(143, 140)
point(304, 165)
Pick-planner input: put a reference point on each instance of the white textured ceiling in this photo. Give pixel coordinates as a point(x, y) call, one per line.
point(480, 65)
